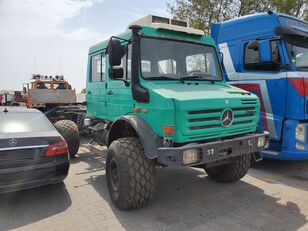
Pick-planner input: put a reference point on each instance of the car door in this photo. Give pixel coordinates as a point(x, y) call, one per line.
point(118, 93)
point(96, 86)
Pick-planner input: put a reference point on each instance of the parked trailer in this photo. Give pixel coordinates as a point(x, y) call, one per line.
point(267, 54)
point(159, 95)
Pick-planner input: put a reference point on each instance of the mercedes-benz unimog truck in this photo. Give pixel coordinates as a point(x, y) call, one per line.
point(267, 54)
point(158, 97)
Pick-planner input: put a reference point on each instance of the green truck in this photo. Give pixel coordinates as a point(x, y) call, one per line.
point(157, 98)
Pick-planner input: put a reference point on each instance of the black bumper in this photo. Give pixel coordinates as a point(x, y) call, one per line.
point(212, 152)
point(14, 179)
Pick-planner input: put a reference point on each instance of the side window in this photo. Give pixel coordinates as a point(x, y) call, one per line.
point(252, 59)
point(103, 68)
point(126, 62)
point(275, 52)
point(96, 68)
point(167, 66)
point(129, 62)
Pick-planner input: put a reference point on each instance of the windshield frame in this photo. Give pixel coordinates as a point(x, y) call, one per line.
point(219, 72)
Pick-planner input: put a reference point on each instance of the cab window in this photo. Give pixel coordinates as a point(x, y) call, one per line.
point(252, 59)
point(98, 68)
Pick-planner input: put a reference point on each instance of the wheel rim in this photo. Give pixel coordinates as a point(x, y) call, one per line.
point(114, 175)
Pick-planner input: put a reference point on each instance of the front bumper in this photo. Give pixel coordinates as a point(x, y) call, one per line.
point(211, 152)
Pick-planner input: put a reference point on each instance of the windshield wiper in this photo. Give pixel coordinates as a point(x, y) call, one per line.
point(162, 77)
point(197, 77)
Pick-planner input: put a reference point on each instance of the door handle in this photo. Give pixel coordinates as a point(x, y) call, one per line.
point(109, 92)
point(89, 92)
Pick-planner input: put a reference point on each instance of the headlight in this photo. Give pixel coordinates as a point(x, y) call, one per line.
point(191, 156)
point(300, 133)
point(261, 141)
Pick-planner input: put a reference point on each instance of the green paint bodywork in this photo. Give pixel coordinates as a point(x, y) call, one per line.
point(172, 102)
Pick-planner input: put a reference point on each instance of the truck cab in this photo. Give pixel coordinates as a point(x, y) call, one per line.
point(267, 54)
point(157, 96)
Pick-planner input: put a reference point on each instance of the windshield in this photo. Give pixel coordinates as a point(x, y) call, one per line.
point(165, 59)
point(298, 56)
point(24, 122)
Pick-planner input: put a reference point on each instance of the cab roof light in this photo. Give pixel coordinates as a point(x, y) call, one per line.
point(46, 77)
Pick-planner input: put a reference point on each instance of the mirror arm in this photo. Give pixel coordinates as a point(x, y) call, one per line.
point(125, 82)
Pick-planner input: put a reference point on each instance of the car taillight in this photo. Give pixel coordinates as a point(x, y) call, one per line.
point(57, 149)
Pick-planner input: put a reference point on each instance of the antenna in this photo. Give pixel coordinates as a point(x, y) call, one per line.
point(5, 110)
point(35, 64)
point(60, 66)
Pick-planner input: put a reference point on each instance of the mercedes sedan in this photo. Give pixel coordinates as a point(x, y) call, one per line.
point(32, 152)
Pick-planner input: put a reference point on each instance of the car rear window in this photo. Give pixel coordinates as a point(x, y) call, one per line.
point(24, 122)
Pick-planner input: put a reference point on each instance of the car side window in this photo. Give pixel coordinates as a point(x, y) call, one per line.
point(252, 59)
point(98, 68)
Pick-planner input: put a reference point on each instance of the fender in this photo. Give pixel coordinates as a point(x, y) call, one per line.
point(147, 137)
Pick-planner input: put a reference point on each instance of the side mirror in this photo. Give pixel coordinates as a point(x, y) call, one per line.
point(115, 52)
point(265, 51)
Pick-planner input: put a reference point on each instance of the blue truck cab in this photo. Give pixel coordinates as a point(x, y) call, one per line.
point(267, 54)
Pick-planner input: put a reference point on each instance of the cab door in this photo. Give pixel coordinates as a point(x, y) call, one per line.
point(96, 87)
point(118, 93)
point(267, 81)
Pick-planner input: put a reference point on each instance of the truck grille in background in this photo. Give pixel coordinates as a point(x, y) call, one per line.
point(206, 119)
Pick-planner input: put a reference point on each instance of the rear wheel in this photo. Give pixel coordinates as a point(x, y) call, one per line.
point(230, 172)
point(69, 130)
point(130, 175)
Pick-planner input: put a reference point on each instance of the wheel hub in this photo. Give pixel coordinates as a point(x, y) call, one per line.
point(114, 175)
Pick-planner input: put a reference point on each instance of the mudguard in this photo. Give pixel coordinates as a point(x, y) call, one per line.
point(147, 137)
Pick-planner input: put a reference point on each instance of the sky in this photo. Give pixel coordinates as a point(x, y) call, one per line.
point(52, 37)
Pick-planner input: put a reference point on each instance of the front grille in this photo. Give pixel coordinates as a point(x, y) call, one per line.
point(209, 120)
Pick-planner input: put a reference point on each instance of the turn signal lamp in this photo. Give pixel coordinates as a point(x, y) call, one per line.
point(168, 130)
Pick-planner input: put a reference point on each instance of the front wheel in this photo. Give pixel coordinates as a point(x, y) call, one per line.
point(230, 172)
point(130, 175)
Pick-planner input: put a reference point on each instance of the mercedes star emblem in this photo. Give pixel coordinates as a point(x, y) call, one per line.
point(227, 118)
point(12, 142)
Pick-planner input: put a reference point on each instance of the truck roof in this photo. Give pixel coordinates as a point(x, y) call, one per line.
point(160, 30)
point(249, 25)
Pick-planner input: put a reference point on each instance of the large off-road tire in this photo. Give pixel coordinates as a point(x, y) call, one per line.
point(130, 175)
point(230, 172)
point(69, 130)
